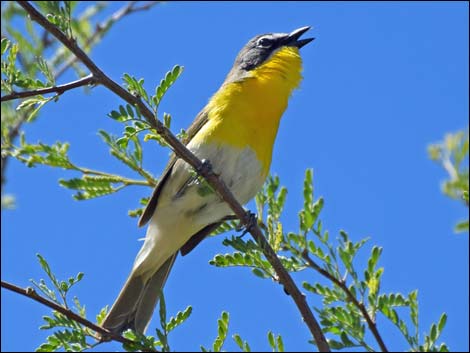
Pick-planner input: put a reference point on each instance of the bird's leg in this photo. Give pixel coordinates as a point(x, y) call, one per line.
point(250, 221)
point(205, 167)
point(250, 218)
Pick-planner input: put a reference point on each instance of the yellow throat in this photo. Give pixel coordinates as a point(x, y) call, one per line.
point(247, 112)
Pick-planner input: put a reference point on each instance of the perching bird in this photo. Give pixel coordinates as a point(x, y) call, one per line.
point(235, 132)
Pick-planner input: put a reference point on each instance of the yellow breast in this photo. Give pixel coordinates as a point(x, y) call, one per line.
point(247, 112)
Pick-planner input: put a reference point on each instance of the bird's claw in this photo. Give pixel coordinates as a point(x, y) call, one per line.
point(250, 221)
point(205, 167)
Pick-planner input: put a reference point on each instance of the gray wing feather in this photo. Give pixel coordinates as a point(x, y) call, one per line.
point(198, 123)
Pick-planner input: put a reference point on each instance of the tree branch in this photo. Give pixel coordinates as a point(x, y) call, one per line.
point(370, 322)
point(101, 29)
point(104, 26)
point(84, 81)
point(182, 152)
point(32, 294)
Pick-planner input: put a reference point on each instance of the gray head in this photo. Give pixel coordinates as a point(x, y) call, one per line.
point(261, 47)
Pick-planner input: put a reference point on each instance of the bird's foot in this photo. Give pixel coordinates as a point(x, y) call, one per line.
point(247, 224)
point(205, 167)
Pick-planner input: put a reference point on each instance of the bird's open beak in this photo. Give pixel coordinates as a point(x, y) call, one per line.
point(293, 38)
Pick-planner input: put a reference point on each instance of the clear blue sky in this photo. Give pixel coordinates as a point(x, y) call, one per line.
point(382, 81)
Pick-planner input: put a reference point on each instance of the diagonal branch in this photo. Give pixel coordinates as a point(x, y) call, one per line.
point(84, 81)
point(370, 322)
point(32, 294)
point(202, 168)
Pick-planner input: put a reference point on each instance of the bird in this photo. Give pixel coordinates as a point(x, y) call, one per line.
point(235, 132)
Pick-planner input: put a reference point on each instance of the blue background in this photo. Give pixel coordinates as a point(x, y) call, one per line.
point(382, 81)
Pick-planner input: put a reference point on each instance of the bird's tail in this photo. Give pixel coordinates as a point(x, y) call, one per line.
point(135, 304)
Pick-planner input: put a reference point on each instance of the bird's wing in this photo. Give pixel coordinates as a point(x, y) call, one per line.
point(196, 238)
point(197, 124)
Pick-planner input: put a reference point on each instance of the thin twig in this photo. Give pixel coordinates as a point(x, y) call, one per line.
point(84, 81)
point(123, 180)
point(14, 131)
point(131, 8)
point(182, 152)
point(31, 293)
point(351, 297)
point(104, 26)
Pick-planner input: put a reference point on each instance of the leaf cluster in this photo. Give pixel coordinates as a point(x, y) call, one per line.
point(452, 154)
point(67, 334)
point(32, 60)
point(150, 343)
point(352, 300)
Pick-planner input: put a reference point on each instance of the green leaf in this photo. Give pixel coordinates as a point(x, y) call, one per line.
point(30, 102)
point(345, 340)
point(308, 188)
point(43, 66)
point(44, 264)
point(32, 115)
point(244, 346)
point(344, 235)
point(79, 276)
point(433, 334)
point(117, 116)
point(101, 315)
point(162, 310)
point(376, 251)
point(136, 86)
point(280, 343)
point(167, 120)
point(165, 84)
point(442, 323)
point(260, 273)
point(122, 142)
point(271, 340)
point(138, 153)
point(92, 186)
point(5, 45)
point(178, 319)
point(462, 226)
point(335, 344)
point(163, 340)
point(413, 300)
point(129, 129)
point(130, 111)
point(222, 329)
point(238, 340)
point(443, 348)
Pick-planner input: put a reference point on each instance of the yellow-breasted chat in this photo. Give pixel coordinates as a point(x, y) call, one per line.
point(235, 131)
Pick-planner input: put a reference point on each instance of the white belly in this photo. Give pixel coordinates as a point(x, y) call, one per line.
point(187, 204)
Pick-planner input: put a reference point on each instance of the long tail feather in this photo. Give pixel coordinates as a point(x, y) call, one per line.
point(136, 302)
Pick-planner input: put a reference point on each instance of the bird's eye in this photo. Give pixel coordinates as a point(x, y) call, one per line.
point(265, 42)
